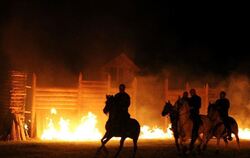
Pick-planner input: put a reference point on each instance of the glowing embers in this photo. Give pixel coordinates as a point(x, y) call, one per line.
point(85, 131)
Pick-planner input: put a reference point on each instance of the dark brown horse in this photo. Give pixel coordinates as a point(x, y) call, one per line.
point(171, 110)
point(219, 130)
point(132, 129)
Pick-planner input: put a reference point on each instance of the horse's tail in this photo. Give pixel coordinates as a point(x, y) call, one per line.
point(232, 120)
point(234, 125)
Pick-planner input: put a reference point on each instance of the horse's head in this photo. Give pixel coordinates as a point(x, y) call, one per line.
point(108, 103)
point(182, 106)
point(212, 111)
point(167, 109)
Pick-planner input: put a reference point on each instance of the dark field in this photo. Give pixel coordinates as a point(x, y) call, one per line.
point(146, 149)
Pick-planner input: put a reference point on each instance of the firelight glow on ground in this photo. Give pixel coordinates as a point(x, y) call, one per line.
point(87, 130)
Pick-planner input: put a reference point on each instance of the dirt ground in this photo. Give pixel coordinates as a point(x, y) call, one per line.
point(146, 149)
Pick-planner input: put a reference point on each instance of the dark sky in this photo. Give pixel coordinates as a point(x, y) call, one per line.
point(201, 37)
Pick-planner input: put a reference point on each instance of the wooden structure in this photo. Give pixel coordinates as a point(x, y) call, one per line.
point(31, 103)
point(14, 126)
point(89, 96)
point(26, 103)
point(121, 69)
point(206, 93)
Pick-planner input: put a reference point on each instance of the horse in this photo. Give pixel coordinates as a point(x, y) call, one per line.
point(182, 125)
point(185, 125)
point(172, 111)
point(132, 128)
point(219, 130)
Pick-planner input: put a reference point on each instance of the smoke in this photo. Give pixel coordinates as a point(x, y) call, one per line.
point(150, 100)
point(56, 42)
point(238, 93)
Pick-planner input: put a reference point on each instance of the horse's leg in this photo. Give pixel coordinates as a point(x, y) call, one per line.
point(206, 139)
point(104, 137)
point(135, 146)
point(104, 140)
point(177, 144)
point(176, 137)
point(120, 147)
point(200, 144)
point(237, 140)
point(217, 145)
point(183, 147)
point(226, 142)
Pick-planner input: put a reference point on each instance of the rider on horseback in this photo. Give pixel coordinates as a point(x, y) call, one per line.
point(195, 104)
point(122, 103)
point(222, 106)
point(182, 100)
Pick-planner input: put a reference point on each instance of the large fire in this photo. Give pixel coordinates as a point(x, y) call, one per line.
point(87, 130)
point(244, 133)
point(155, 133)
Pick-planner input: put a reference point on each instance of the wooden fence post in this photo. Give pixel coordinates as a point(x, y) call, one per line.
point(33, 107)
point(79, 94)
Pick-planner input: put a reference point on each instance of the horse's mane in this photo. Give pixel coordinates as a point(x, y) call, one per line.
point(108, 105)
point(181, 104)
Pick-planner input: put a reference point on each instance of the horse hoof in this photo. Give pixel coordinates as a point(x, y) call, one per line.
point(230, 138)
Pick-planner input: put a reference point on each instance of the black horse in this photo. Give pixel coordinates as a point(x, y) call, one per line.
point(132, 128)
point(172, 111)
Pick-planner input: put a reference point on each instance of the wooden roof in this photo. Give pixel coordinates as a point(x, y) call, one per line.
point(122, 61)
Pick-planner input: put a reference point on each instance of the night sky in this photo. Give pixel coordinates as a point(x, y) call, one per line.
point(195, 37)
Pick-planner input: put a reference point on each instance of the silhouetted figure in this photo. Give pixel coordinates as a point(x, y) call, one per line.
point(122, 103)
point(184, 99)
point(222, 106)
point(132, 129)
point(195, 105)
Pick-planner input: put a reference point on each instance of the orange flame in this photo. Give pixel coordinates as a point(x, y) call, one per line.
point(244, 133)
point(155, 133)
point(87, 130)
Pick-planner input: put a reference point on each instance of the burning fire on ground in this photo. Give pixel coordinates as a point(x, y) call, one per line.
point(87, 130)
